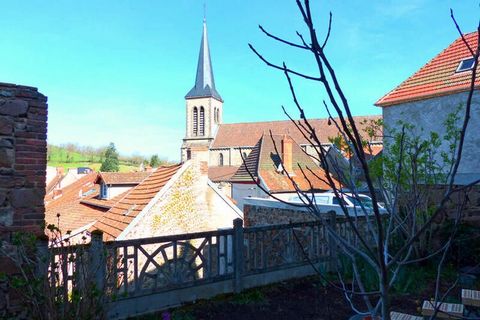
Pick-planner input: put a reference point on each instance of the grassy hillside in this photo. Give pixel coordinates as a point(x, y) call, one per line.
point(59, 156)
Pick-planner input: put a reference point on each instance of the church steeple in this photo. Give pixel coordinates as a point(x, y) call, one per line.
point(204, 81)
point(204, 108)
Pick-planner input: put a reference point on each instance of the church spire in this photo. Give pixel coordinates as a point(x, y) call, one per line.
point(204, 82)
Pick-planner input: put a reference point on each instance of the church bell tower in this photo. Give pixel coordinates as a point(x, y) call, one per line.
point(204, 107)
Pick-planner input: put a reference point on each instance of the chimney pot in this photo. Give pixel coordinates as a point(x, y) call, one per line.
point(287, 154)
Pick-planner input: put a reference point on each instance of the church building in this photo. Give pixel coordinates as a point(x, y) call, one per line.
point(223, 146)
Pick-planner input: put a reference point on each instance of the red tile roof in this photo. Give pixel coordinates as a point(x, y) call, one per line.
point(124, 211)
point(52, 184)
point(263, 162)
point(247, 134)
point(73, 214)
point(221, 173)
point(124, 177)
point(437, 78)
point(370, 150)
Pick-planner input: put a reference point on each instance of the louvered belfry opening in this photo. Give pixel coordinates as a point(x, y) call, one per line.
point(202, 121)
point(195, 121)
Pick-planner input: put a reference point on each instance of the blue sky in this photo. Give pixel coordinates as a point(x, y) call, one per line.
point(117, 70)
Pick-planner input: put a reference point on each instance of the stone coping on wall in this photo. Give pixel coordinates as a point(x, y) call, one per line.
point(272, 203)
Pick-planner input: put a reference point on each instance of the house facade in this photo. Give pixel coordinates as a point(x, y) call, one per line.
point(277, 167)
point(172, 200)
point(430, 95)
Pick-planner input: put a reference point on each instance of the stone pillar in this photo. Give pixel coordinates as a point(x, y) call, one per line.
point(238, 248)
point(97, 265)
point(332, 243)
point(23, 159)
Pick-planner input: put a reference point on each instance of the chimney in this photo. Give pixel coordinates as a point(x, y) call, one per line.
point(287, 156)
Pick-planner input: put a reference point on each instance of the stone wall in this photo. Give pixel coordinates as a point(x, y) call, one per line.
point(471, 209)
point(23, 151)
point(260, 212)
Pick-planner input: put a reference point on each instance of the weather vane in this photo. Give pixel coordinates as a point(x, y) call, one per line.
point(204, 11)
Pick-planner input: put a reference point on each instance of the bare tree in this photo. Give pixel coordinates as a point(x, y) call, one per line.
point(383, 242)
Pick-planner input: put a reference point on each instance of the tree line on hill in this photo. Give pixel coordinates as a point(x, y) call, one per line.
point(108, 155)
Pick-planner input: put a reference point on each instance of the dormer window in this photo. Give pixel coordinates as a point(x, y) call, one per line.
point(103, 191)
point(466, 64)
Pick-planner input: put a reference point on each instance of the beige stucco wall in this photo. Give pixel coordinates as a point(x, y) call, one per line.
point(429, 115)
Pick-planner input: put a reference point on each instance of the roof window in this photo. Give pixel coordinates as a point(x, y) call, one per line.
point(466, 64)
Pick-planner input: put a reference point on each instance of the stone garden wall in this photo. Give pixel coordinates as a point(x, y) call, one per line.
point(23, 150)
point(23, 160)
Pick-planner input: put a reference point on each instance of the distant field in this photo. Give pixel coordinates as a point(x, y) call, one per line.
point(94, 165)
point(61, 157)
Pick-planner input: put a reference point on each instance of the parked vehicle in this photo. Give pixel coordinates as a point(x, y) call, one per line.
point(328, 202)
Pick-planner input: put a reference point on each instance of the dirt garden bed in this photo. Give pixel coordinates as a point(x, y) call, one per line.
point(302, 298)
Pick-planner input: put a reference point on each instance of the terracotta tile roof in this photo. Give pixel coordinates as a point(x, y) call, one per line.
point(124, 211)
point(52, 184)
point(221, 173)
point(247, 134)
point(263, 162)
point(73, 214)
point(437, 78)
point(374, 149)
point(124, 177)
point(370, 151)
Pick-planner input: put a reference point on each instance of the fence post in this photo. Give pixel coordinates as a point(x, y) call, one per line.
point(42, 265)
point(43, 259)
point(97, 268)
point(238, 248)
point(332, 245)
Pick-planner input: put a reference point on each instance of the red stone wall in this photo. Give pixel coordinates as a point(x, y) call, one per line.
point(23, 159)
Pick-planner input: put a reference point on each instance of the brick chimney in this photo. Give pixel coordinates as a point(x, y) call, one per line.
point(287, 155)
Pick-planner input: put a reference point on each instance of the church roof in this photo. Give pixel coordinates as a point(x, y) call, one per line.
point(247, 134)
point(204, 81)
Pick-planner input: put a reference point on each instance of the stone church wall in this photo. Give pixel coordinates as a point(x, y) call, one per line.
point(231, 156)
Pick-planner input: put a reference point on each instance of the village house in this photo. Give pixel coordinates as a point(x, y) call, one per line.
point(432, 93)
point(279, 166)
point(76, 207)
point(172, 200)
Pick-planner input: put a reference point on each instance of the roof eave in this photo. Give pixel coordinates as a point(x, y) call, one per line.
point(381, 104)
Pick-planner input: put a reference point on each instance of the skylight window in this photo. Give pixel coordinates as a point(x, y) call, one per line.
point(466, 64)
